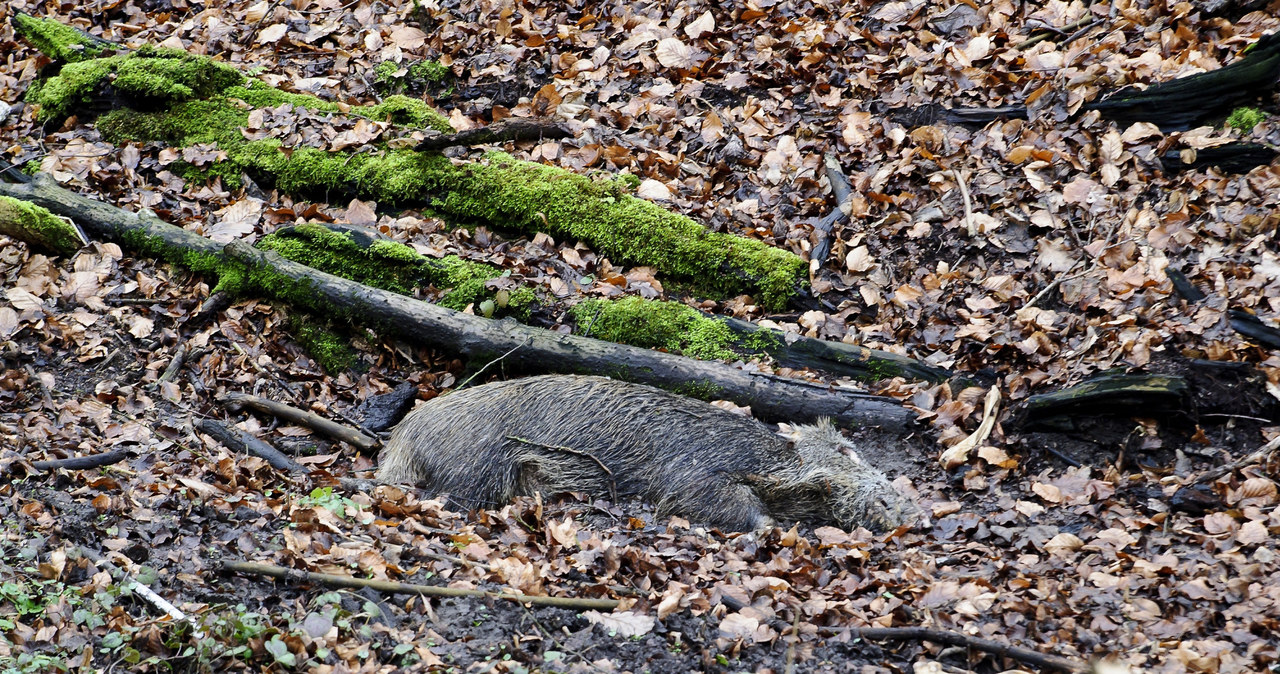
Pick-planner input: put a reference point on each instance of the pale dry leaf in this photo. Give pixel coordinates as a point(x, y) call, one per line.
point(256, 13)
point(738, 626)
point(1063, 544)
point(700, 26)
point(622, 623)
point(236, 220)
point(1111, 147)
point(672, 53)
point(272, 33)
point(140, 326)
point(1047, 492)
point(859, 260)
point(653, 191)
point(1253, 532)
point(408, 37)
point(958, 453)
point(8, 322)
point(22, 299)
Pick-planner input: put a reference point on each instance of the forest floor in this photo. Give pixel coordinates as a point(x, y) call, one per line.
point(1026, 254)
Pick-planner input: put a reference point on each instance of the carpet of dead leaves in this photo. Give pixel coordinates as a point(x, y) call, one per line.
point(725, 110)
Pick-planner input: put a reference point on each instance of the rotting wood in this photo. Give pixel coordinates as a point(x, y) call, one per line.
point(1114, 394)
point(1252, 327)
point(391, 587)
point(333, 429)
point(771, 397)
point(1174, 105)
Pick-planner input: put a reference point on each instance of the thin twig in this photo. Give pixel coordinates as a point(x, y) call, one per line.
point(486, 366)
point(1051, 31)
point(331, 580)
point(83, 462)
point(292, 414)
point(961, 181)
point(179, 356)
point(613, 491)
point(1261, 455)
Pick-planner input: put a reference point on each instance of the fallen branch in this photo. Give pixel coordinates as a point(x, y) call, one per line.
point(1260, 455)
point(1025, 655)
point(83, 462)
point(391, 587)
point(311, 420)
point(240, 441)
point(769, 396)
point(1050, 31)
point(1252, 327)
point(127, 582)
point(508, 129)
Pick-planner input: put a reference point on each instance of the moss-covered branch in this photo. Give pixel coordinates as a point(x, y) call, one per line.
point(183, 100)
point(245, 269)
point(362, 255)
point(38, 227)
point(57, 40)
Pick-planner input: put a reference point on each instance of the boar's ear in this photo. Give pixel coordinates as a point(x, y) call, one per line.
point(791, 433)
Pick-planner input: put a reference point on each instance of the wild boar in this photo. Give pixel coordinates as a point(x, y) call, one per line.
point(483, 446)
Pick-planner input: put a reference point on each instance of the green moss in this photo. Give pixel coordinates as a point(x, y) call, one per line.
point(57, 40)
point(228, 172)
point(763, 341)
point(387, 265)
point(159, 75)
point(1245, 118)
point(325, 346)
point(666, 325)
point(259, 95)
point(433, 76)
point(534, 197)
point(395, 267)
point(502, 190)
point(702, 390)
point(35, 224)
point(406, 111)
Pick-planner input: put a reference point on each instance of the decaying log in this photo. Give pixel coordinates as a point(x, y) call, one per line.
point(1114, 394)
point(83, 462)
point(1229, 158)
point(838, 358)
point(532, 349)
point(1175, 105)
point(511, 128)
point(1252, 327)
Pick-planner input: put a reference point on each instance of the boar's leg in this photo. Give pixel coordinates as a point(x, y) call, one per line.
point(728, 505)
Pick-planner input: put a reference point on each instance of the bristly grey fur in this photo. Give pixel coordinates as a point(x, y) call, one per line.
point(484, 446)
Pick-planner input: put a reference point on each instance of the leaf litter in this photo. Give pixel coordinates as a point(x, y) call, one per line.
point(1079, 543)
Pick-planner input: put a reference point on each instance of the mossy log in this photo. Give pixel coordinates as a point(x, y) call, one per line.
point(366, 256)
point(38, 227)
point(244, 269)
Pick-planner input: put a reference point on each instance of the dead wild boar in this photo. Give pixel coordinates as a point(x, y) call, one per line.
point(483, 446)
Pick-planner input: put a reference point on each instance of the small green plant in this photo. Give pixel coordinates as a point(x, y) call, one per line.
point(323, 497)
point(1245, 118)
